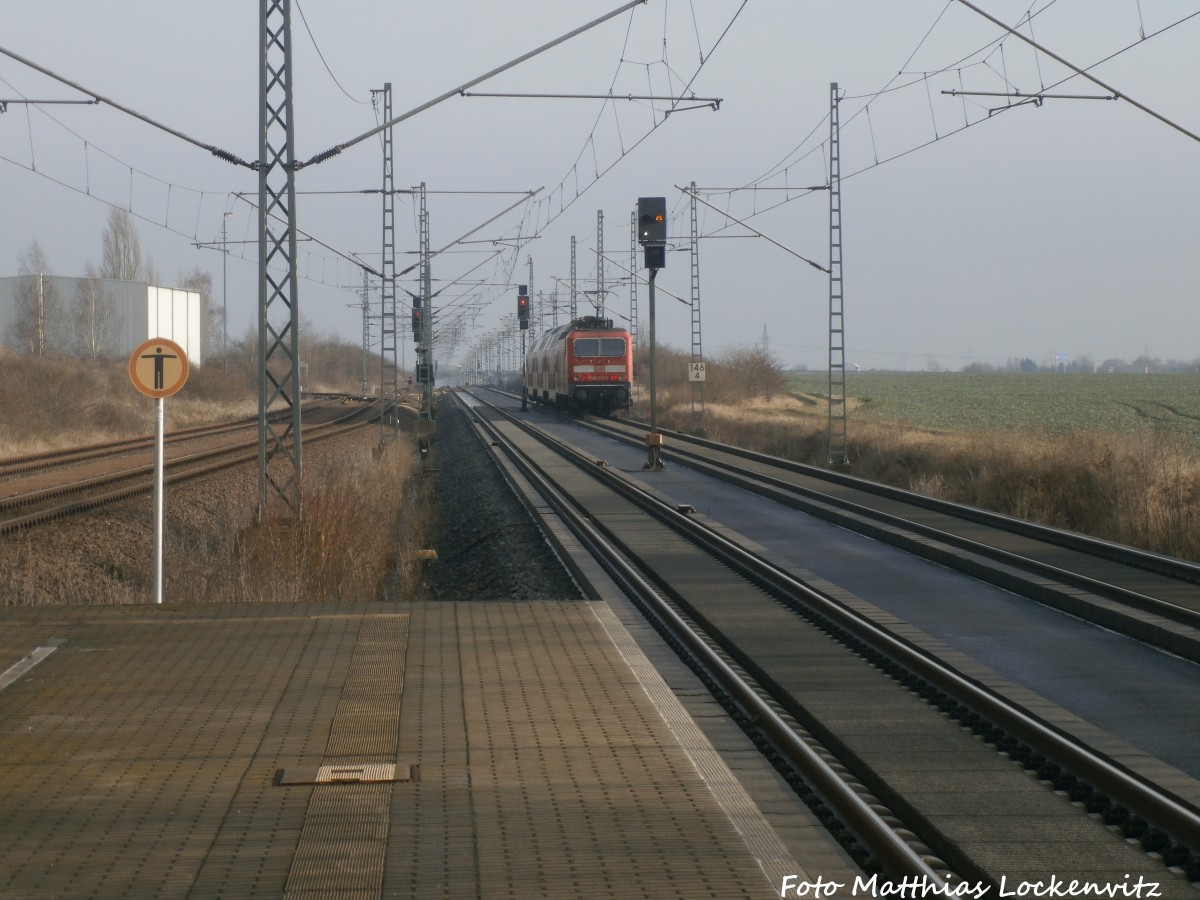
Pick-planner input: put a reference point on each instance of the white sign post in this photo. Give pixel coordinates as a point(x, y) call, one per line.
point(695, 371)
point(158, 368)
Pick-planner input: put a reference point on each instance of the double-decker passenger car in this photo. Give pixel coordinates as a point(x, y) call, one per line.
point(585, 365)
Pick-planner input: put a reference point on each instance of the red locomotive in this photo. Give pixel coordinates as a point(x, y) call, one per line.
point(585, 365)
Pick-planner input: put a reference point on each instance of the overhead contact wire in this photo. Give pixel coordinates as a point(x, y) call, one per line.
point(337, 149)
point(1082, 72)
point(321, 56)
point(215, 151)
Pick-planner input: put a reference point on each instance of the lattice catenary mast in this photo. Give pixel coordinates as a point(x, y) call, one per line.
point(425, 351)
point(574, 302)
point(838, 450)
point(599, 302)
point(279, 446)
point(634, 265)
point(697, 346)
point(389, 370)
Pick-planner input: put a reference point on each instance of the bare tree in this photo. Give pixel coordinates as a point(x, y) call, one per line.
point(122, 257)
point(38, 325)
point(95, 317)
point(211, 322)
point(758, 373)
point(32, 260)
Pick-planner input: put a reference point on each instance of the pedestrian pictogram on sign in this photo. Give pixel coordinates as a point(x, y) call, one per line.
point(158, 367)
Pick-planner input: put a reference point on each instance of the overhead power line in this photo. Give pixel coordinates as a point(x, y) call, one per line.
point(815, 265)
point(1040, 95)
point(713, 102)
point(100, 98)
point(334, 151)
point(527, 196)
point(793, 158)
point(321, 56)
point(1078, 71)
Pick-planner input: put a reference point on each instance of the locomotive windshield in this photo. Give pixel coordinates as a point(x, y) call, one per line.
point(609, 346)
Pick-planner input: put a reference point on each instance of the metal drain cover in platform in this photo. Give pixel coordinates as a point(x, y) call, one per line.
point(367, 773)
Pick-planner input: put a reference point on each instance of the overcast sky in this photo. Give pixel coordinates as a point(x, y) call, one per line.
point(1067, 227)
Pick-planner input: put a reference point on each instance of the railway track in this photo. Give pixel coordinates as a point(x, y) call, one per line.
point(921, 770)
point(1152, 598)
point(47, 486)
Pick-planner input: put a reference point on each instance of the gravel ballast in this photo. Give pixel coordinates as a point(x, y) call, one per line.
point(488, 546)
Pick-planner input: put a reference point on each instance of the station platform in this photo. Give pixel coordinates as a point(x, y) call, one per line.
point(451, 749)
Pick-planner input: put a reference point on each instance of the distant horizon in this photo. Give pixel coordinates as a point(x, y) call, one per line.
point(1120, 367)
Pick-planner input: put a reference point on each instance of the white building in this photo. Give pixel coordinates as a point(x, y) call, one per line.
point(96, 317)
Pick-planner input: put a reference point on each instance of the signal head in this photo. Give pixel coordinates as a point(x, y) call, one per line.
point(652, 220)
point(523, 306)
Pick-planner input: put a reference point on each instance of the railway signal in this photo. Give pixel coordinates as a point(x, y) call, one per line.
point(652, 220)
point(652, 235)
point(523, 306)
point(523, 319)
point(652, 230)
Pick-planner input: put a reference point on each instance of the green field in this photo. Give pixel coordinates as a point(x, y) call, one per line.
point(1045, 403)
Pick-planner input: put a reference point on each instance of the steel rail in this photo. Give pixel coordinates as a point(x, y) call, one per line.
point(1135, 599)
point(77, 487)
point(1167, 811)
point(15, 465)
point(1168, 566)
point(881, 839)
point(1156, 563)
point(1164, 810)
point(1165, 566)
point(184, 469)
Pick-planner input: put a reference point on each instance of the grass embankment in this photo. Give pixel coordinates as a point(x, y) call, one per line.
point(1133, 478)
point(365, 512)
point(48, 403)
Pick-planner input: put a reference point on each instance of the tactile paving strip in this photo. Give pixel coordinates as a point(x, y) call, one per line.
point(343, 843)
point(546, 771)
point(346, 773)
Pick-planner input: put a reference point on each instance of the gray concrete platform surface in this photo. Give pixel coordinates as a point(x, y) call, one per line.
point(370, 750)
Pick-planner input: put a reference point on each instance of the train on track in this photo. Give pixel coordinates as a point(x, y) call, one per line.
point(585, 366)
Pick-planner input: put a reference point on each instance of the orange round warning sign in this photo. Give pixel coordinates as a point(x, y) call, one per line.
point(158, 367)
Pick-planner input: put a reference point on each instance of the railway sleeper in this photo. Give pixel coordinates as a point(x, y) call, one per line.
point(1179, 851)
point(748, 723)
point(1174, 851)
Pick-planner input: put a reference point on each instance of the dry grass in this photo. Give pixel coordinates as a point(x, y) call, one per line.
point(54, 402)
point(1140, 489)
point(364, 512)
